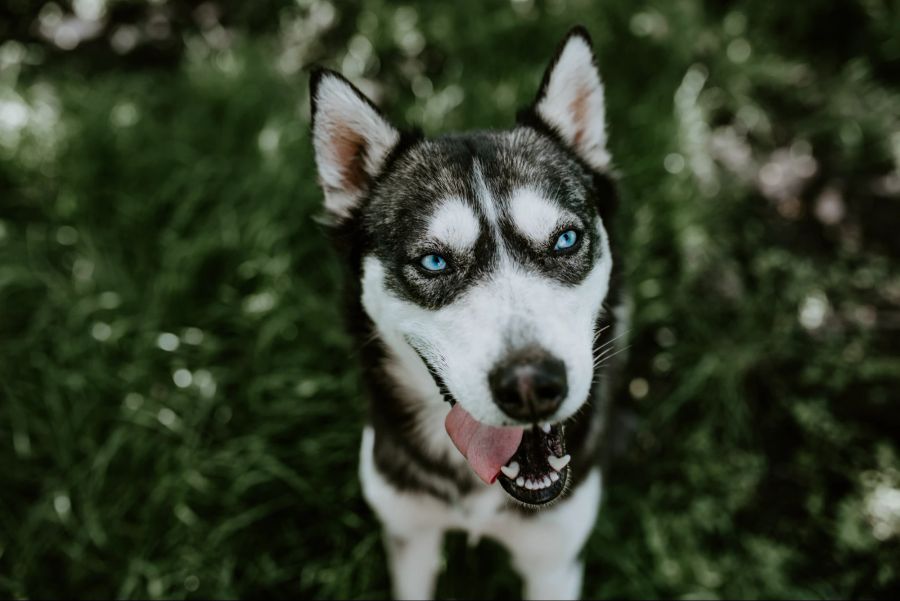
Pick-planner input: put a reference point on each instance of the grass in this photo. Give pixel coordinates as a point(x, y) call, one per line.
point(179, 408)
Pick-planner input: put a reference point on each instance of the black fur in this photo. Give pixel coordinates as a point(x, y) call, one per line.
point(399, 455)
point(389, 223)
point(397, 212)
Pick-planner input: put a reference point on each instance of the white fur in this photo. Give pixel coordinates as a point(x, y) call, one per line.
point(534, 215)
point(544, 547)
point(455, 224)
point(575, 82)
point(512, 308)
point(487, 204)
point(466, 339)
point(341, 111)
point(411, 375)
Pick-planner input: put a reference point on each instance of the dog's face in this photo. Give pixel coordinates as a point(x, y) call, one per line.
point(485, 253)
point(488, 256)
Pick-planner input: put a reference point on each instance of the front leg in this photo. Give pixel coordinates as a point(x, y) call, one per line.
point(414, 560)
point(561, 581)
point(544, 579)
point(545, 546)
point(413, 526)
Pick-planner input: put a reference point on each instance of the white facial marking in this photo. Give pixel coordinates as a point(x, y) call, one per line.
point(509, 309)
point(455, 224)
point(513, 307)
point(485, 200)
point(534, 215)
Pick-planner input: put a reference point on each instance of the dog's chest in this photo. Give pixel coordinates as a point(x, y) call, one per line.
point(474, 512)
point(477, 512)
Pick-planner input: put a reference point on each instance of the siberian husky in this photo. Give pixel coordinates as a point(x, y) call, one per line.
point(483, 300)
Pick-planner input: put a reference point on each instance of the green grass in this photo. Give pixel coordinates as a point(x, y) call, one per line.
point(179, 406)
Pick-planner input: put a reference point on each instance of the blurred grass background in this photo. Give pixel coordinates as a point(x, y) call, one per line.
point(179, 405)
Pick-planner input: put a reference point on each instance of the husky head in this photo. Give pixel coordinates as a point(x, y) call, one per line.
point(484, 256)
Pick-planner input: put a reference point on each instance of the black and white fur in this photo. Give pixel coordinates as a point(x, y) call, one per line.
point(492, 202)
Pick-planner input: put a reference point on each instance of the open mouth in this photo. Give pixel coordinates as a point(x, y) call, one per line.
point(531, 464)
point(538, 471)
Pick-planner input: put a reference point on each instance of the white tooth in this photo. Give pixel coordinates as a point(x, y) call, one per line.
point(529, 485)
point(511, 470)
point(520, 481)
point(554, 476)
point(558, 463)
point(546, 428)
point(546, 481)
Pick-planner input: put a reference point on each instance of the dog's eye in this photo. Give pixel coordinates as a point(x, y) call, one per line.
point(433, 262)
point(566, 240)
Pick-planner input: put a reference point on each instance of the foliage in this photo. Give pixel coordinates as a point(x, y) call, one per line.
point(179, 408)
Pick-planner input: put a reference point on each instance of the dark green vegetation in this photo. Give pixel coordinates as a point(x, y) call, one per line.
point(179, 407)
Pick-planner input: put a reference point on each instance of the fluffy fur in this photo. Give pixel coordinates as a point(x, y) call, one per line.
point(493, 204)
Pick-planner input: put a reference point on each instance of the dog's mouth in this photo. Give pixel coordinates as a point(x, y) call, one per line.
point(531, 464)
point(538, 471)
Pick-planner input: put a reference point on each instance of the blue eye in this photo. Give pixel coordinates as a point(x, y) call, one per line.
point(433, 262)
point(566, 240)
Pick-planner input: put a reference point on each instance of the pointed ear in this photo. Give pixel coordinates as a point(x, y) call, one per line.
point(351, 138)
point(570, 100)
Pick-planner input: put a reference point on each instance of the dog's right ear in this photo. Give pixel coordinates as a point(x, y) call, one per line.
point(351, 138)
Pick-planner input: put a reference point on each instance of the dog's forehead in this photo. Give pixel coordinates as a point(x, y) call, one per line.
point(488, 173)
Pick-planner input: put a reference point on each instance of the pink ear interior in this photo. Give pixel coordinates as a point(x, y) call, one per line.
point(349, 150)
point(579, 108)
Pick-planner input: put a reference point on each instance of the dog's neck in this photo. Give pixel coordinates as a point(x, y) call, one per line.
point(416, 388)
point(407, 411)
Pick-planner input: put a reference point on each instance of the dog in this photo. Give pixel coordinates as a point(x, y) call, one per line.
point(484, 300)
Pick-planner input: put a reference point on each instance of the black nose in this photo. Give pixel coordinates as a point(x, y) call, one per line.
point(529, 386)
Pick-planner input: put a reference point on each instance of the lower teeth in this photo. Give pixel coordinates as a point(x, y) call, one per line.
point(537, 483)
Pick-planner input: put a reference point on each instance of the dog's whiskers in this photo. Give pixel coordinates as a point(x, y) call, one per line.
point(606, 359)
point(604, 353)
point(601, 358)
point(599, 332)
point(612, 340)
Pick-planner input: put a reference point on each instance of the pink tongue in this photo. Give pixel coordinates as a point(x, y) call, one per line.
point(486, 448)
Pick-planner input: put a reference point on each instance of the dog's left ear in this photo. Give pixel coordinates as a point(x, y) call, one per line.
point(351, 138)
point(570, 100)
